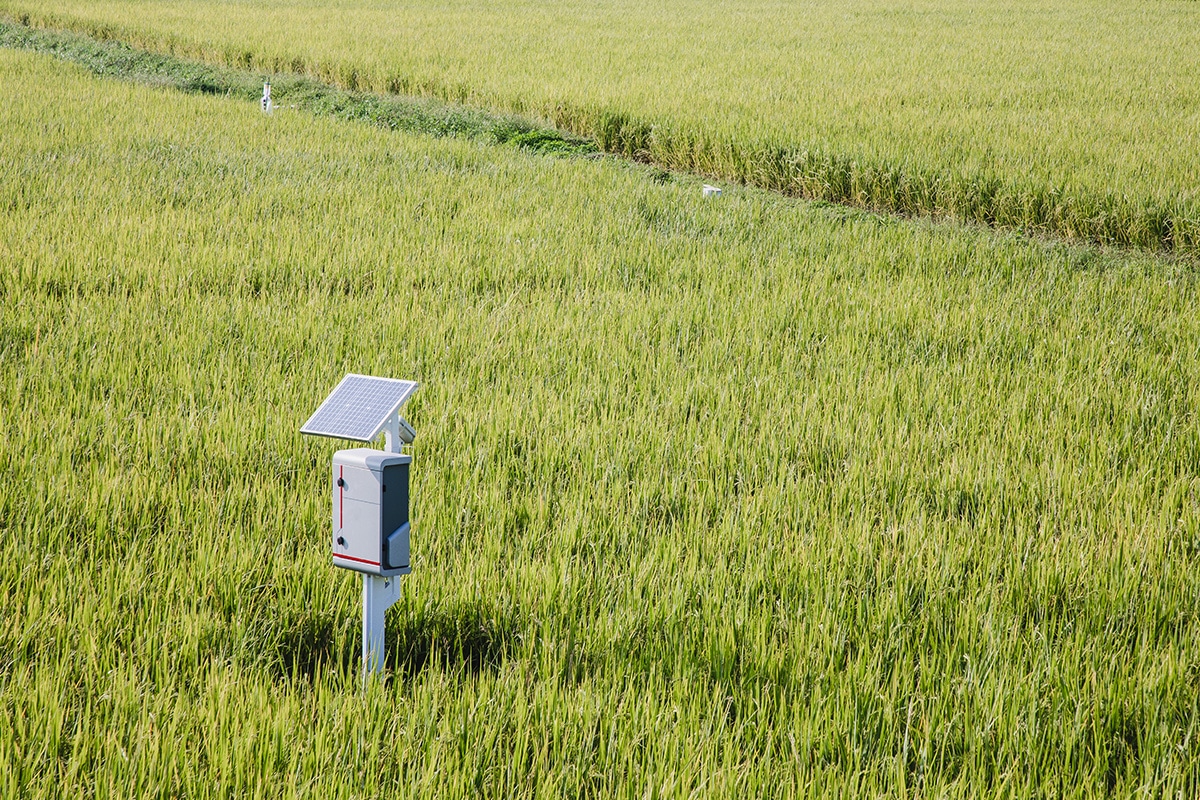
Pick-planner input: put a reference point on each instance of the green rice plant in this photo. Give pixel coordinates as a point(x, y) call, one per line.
point(421, 116)
point(1075, 118)
point(729, 497)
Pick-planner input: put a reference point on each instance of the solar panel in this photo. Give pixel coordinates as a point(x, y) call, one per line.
point(359, 407)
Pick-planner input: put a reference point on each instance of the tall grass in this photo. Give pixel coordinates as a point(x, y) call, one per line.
point(1076, 119)
point(713, 498)
point(115, 59)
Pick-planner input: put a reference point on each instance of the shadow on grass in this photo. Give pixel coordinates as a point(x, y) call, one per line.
point(465, 640)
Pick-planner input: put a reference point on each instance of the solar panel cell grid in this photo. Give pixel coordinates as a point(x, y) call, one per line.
point(359, 407)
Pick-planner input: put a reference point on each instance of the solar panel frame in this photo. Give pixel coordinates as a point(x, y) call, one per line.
point(359, 407)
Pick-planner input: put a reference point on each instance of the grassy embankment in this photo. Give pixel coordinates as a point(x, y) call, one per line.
point(745, 497)
point(1077, 119)
point(415, 115)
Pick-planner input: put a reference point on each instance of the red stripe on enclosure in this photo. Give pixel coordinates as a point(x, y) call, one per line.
point(359, 560)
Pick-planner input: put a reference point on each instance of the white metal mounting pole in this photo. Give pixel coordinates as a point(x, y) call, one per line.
point(379, 593)
point(391, 435)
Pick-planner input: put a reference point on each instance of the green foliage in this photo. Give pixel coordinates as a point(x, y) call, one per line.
point(722, 498)
point(115, 59)
point(1075, 118)
point(553, 142)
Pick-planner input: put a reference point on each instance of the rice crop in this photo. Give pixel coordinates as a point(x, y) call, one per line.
point(1076, 118)
point(730, 497)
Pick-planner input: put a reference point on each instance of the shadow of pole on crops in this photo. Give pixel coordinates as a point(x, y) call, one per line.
point(308, 645)
point(466, 639)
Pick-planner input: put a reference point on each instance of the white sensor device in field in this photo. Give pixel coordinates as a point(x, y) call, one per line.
point(370, 490)
point(267, 105)
point(370, 511)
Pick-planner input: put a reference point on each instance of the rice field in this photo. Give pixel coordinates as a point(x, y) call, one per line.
point(744, 496)
point(1078, 118)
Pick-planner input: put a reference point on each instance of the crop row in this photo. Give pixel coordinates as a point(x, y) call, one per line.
point(1047, 119)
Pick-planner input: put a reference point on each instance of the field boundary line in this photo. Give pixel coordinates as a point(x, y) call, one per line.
point(417, 115)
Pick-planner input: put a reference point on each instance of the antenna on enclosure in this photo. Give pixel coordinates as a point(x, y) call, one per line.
point(370, 494)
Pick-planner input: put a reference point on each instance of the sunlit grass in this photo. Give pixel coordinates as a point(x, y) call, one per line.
point(726, 498)
point(1076, 118)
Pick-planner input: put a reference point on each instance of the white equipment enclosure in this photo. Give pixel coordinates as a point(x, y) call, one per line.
point(370, 511)
point(370, 494)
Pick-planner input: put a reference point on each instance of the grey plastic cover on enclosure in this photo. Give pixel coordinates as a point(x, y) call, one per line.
point(359, 407)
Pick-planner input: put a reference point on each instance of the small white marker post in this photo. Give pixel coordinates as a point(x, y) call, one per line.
point(267, 105)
